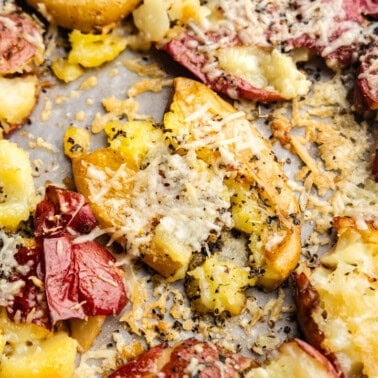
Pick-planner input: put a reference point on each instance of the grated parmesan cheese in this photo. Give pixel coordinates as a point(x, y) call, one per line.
point(8, 266)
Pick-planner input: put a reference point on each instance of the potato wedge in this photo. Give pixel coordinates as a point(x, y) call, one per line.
point(199, 119)
point(337, 302)
point(85, 15)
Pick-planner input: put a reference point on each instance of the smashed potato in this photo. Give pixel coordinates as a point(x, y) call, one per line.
point(199, 119)
point(337, 302)
point(85, 15)
point(17, 193)
point(28, 350)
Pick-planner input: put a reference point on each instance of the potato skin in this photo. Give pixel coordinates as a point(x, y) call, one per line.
point(227, 84)
point(85, 15)
point(307, 300)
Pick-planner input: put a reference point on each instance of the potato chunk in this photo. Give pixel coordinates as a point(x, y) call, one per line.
point(200, 120)
point(33, 351)
point(17, 98)
point(133, 140)
point(92, 50)
point(85, 15)
point(76, 141)
point(220, 286)
point(272, 71)
point(17, 193)
point(337, 302)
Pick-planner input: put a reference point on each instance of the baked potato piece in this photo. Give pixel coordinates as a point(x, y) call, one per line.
point(84, 15)
point(76, 142)
point(17, 194)
point(366, 86)
point(15, 109)
point(218, 286)
point(194, 358)
point(190, 358)
point(241, 72)
point(21, 51)
point(91, 173)
point(28, 350)
point(156, 203)
point(295, 359)
point(200, 120)
point(337, 301)
point(85, 331)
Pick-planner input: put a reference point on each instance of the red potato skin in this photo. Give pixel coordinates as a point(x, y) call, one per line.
point(344, 55)
point(17, 51)
point(375, 166)
point(364, 96)
point(79, 279)
point(227, 84)
point(369, 7)
point(207, 356)
point(314, 353)
point(31, 297)
point(63, 211)
point(307, 300)
point(173, 362)
point(143, 365)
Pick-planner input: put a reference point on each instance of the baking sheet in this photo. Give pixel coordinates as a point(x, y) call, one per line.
point(63, 105)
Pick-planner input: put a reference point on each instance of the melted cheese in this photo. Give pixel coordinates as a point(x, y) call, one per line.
point(9, 266)
point(172, 190)
point(267, 23)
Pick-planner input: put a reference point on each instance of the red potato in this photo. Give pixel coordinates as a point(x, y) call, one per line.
point(203, 49)
point(307, 302)
point(366, 86)
point(63, 211)
point(21, 51)
point(145, 365)
point(337, 301)
point(194, 358)
point(81, 280)
point(347, 20)
point(66, 279)
point(369, 7)
point(21, 47)
point(32, 298)
point(188, 359)
point(375, 166)
point(225, 83)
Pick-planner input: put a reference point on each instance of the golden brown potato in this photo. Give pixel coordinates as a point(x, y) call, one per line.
point(86, 331)
point(199, 119)
point(337, 302)
point(91, 173)
point(85, 15)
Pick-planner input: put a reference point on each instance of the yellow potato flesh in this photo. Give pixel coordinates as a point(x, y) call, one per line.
point(85, 15)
